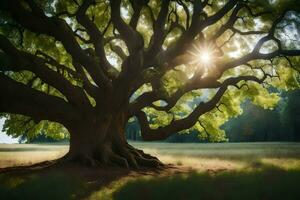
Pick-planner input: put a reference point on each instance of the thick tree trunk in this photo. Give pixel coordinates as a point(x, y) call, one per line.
point(103, 142)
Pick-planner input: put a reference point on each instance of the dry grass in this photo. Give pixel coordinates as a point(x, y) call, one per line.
point(27, 154)
point(226, 156)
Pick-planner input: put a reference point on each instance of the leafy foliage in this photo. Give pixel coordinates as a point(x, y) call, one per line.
point(18, 125)
point(234, 44)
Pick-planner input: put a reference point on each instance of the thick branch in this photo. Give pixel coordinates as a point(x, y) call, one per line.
point(186, 39)
point(20, 99)
point(58, 28)
point(26, 61)
point(148, 98)
point(132, 39)
point(159, 34)
point(137, 6)
point(60, 68)
point(94, 33)
point(255, 56)
point(185, 123)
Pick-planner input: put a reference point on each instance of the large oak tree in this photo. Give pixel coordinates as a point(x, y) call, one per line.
point(88, 66)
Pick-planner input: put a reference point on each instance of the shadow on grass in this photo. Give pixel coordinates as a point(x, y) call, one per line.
point(265, 182)
point(50, 186)
point(259, 182)
point(56, 184)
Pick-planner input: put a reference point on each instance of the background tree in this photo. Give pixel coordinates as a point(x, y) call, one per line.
point(290, 116)
point(89, 66)
point(255, 124)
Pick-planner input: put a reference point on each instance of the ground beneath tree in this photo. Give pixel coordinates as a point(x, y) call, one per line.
point(210, 171)
point(172, 182)
point(69, 181)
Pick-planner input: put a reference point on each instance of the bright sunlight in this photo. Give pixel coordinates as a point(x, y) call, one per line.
point(203, 58)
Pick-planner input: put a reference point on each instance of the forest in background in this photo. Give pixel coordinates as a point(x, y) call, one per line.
point(255, 124)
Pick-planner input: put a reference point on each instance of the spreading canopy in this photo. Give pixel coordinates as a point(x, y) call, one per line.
point(173, 64)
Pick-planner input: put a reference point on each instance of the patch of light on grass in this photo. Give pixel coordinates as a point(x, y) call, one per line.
point(283, 163)
point(27, 154)
point(203, 164)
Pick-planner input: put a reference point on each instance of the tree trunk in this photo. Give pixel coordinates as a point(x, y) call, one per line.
point(103, 142)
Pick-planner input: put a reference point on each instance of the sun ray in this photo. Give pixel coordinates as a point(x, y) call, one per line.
point(203, 58)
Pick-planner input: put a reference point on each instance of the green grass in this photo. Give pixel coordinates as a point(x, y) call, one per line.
point(224, 150)
point(266, 183)
point(207, 171)
point(54, 185)
point(232, 156)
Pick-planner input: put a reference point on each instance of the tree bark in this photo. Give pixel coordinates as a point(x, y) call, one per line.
point(103, 142)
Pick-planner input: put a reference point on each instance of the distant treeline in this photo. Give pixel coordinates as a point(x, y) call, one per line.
point(257, 124)
point(254, 125)
point(40, 138)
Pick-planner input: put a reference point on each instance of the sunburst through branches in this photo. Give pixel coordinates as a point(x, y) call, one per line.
point(203, 58)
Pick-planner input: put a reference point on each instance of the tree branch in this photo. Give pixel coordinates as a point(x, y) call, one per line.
point(159, 34)
point(132, 39)
point(161, 133)
point(37, 22)
point(94, 33)
point(25, 61)
point(186, 39)
point(20, 99)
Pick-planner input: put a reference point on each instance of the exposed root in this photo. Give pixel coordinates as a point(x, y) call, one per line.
point(147, 162)
point(143, 159)
point(141, 155)
point(85, 160)
point(120, 161)
point(129, 157)
point(123, 156)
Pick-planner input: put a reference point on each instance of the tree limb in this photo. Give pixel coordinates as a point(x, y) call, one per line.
point(26, 61)
point(132, 39)
point(20, 99)
point(161, 133)
point(94, 33)
point(38, 22)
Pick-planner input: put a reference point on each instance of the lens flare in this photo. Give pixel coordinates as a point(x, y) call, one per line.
point(202, 57)
point(205, 57)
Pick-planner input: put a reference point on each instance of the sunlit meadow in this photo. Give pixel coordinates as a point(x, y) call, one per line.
point(195, 167)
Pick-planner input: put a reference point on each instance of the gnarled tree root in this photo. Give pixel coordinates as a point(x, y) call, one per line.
point(125, 156)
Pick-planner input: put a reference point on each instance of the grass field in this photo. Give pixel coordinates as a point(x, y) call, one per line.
point(204, 171)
